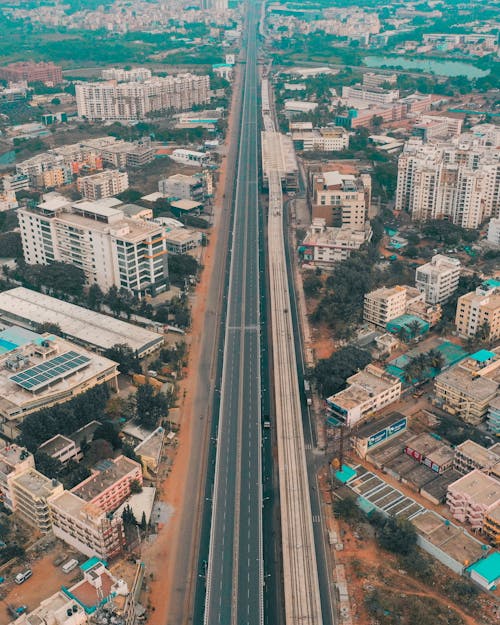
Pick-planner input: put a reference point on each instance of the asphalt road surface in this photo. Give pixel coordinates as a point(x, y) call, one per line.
point(235, 567)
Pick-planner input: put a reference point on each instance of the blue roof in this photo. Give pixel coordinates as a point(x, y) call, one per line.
point(492, 283)
point(483, 355)
point(13, 337)
point(91, 563)
point(488, 568)
point(345, 474)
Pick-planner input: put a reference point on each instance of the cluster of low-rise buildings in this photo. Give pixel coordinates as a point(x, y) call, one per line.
point(58, 166)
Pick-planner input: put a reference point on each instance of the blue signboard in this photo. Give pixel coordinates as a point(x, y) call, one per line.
point(396, 427)
point(377, 438)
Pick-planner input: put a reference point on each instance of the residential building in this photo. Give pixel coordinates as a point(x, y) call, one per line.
point(111, 484)
point(181, 187)
point(340, 199)
point(438, 279)
point(86, 527)
point(181, 240)
point(430, 452)
point(491, 525)
point(39, 371)
point(457, 180)
point(30, 492)
point(135, 74)
point(331, 139)
point(472, 497)
point(46, 171)
point(149, 451)
point(126, 154)
point(103, 184)
point(368, 392)
point(130, 101)
point(13, 461)
point(324, 246)
point(190, 157)
point(91, 329)
point(468, 388)
point(61, 448)
point(479, 310)
point(470, 456)
point(384, 304)
point(371, 80)
point(494, 231)
point(494, 416)
point(111, 249)
point(375, 95)
point(29, 71)
point(432, 127)
point(58, 609)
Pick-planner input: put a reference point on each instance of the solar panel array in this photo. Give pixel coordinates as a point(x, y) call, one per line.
point(52, 370)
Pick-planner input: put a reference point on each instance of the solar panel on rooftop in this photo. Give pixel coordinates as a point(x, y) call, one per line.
point(52, 370)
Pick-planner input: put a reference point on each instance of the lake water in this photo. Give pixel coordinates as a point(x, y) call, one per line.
point(431, 66)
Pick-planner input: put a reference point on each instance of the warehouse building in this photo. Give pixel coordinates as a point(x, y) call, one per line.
point(80, 325)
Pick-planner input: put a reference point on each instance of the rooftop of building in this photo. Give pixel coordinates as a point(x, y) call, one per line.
point(85, 433)
point(184, 178)
point(76, 507)
point(185, 205)
point(338, 237)
point(55, 444)
point(481, 488)
point(92, 595)
point(86, 326)
point(369, 428)
point(140, 503)
point(439, 263)
point(385, 292)
point(108, 473)
point(36, 483)
point(37, 374)
point(12, 454)
point(181, 235)
point(363, 386)
point(53, 610)
point(488, 568)
point(151, 446)
point(448, 537)
point(13, 337)
point(477, 387)
point(479, 454)
point(494, 514)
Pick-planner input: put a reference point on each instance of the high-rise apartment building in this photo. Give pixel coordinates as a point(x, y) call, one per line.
point(103, 184)
point(111, 249)
point(32, 72)
point(457, 180)
point(438, 279)
point(384, 304)
point(479, 309)
point(342, 200)
point(136, 74)
point(130, 101)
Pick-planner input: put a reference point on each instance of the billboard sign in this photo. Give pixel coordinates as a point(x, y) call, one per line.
point(394, 428)
point(377, 438)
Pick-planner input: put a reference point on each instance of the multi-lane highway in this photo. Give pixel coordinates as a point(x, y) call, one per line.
point(234, 581)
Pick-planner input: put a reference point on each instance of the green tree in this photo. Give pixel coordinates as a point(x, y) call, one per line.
point(107, 432)
point(124, 355)
point(95, 297)
point(10, 245)
point(312, 284)
point(150, 405)
point(49, 327)
point(135, 487)
point(348, 510)
point(398, 536)
point(330, 374)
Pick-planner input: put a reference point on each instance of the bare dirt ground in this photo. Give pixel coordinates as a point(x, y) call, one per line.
point(47, 579)
point(159, 555)
point(368, 568)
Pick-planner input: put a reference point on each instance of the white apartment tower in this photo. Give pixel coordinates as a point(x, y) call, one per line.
point(130, 101)
point(111, 249)
point(438, 279)
point(457, 180)
point(103, 184)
